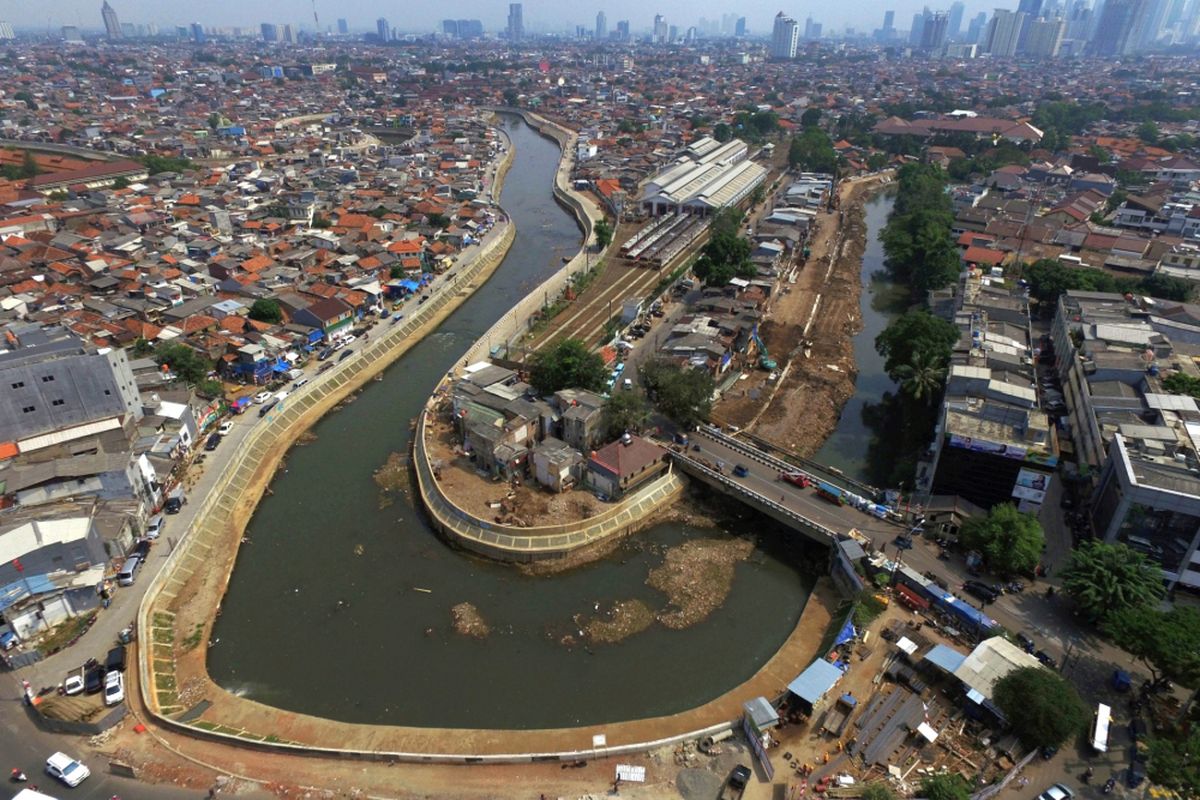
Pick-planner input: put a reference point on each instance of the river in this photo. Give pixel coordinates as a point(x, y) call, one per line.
point(849, 447)
point(339, 608)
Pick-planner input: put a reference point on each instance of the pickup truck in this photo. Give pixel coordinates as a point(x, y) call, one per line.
point(735, 784)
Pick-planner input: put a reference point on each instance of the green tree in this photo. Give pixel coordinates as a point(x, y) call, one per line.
point(684, 395)
point(727, 253)
point(917, 241)
point(568, 365)
point(604, 232)
point(722, 132)
point(266, 309)
point(810, 117)
point(916, 336)
point(1106, 578)
point(121, 183)
point(1182, 383)
point(512, 97)
point(1174, 761)
point(214, 120)
point(29, 166)
point(878, 791)
point(949, 786)
point(156, 164)
point(1167, 642)
point(1148, 132)
point(142, 348)
point(1010, 540)
point(1043, 709)
point(812, 151)
point(624, 411)
point(921, 379)
point(184, 361)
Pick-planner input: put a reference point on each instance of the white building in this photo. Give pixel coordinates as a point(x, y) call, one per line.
point(785, 36)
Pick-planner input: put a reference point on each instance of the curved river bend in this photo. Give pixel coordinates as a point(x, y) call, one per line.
point(323, 614)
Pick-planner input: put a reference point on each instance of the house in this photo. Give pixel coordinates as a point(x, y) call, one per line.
point(624, 465)
point(557, 465)
point(331, 315)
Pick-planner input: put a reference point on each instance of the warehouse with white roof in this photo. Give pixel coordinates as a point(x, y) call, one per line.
point(707, 176)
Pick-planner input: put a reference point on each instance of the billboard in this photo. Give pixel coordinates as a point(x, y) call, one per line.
point(1031, 486)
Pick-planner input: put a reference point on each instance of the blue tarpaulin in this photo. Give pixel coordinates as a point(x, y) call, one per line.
point(846, 635)
point(409, 286)
point(281, 366)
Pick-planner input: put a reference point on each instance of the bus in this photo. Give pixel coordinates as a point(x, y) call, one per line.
point(1100, 728)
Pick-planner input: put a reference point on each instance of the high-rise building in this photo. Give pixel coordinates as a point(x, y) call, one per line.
point(1115, 30)
point(197, 33)
point(739, 28)
point(343, 27)
point(6, 31)
point(288, 34)
point(785, 36)
point(383, 30)
point(623, 30)
point(661, 29)
point(1152, 21)
point(933, 33)
point(112, 26)
point(70, 34)
point(1004, 33)
point(516, 23)
point(975, 28)
point(918, 28)
point(270, 32)
point(1044, 37)
point(1030, 8)
point(954, 23)
point(601, 25)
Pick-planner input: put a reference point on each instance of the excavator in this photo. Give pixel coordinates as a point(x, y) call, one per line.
point(764, 358)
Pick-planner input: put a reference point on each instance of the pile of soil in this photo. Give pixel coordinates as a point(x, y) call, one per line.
point(625, 619)
point(696, 577)
point(468, 621)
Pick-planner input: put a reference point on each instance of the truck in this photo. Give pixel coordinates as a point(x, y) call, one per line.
point(735, 784)
point(833, 494)
point(838, 715)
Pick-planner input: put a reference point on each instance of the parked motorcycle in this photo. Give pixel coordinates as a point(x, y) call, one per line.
point(1108, 785)
point(16, 776)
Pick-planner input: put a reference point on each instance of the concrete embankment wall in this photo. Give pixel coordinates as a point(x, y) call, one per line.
point(65, 149)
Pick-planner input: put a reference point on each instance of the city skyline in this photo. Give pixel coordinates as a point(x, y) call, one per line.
point(539, 15)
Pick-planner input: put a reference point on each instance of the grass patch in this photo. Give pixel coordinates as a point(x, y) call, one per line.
point(205, 726)
point(167, 699)
point(65, 633)
point(164, 683)
point(867, 607)
point(164, 665)
point(163, 652)
point(272, 739)
point(193, 638)
point(162, 619)
point(164, 635)
point(674, 275)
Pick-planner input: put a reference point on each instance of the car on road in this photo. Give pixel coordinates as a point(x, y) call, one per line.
point(225, 428)
point(349, 340)
point(1046, 659)
point(303, 381)
point(154, 527)
point(93, 681)
point(326, 367)
point(212, 442)
point(266, 409)
point(262, 397)
point(1057, 792)
point(981, 591)
point(73, 685)
point(345, 354)
point(326, 353)
point(736, 783)
point(114, 689)
point(740, 471)
point(115, 660)
point(66, 769)
point(903, 542)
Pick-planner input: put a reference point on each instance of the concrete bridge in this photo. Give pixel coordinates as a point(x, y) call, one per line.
point(711, 456)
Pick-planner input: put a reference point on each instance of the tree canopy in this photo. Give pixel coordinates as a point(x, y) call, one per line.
point(1175, 761)
point(1043, 709)
point(1049, 278)
point(727, 254)
point(1010, 540)
point(190, 365)
point(950, 786)
point(683, 395)
point(812, 151)
point(1167, 642)
point(1107, 578)
point(266, 309)
point(624, 412)
point(604, 232)
point(917, 240)
point(568, 365)
point(916, 336)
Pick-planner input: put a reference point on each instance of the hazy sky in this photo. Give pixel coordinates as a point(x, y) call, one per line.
point(423, 15)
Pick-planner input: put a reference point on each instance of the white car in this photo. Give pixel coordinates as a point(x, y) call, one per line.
point(281, 396)
point(66, 769)
point(225, 428)
point(114, 688)
point(1057, 792)
point(262, 397)
point(349, 339)
point(73, 685)
point(154, 527)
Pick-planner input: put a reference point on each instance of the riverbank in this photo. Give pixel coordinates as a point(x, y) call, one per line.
point(799, 410)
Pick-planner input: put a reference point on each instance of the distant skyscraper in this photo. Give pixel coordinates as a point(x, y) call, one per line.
point(6, 31)
point(601, 25)
point(739, 28)
point(1115, 31)
point(661, 30)
point(954, 23)
point(1030, 8)
point(288, 34)
point(1004, 33)
point(933, 33)
point(516, 22)
point(1044, 37)
point(112, 26)
point(918, 28)
point(270, 32)
point(197, 32)
point(975, 28)
point(343, 27)
point(784, 36)
point(70, 34)
point(623, 30)
point(383, 30)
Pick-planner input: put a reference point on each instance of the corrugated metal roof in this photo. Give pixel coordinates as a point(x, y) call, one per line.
point(812, 684)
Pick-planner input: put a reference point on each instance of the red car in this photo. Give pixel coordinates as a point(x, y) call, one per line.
point(796, 479)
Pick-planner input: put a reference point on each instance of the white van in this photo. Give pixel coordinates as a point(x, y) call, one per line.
point(129, 571)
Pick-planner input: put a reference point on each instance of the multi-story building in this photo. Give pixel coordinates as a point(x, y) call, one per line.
point(933, 33)
point(6, 31)
point(343, 27)
point(516, 22)
point(270, 32)
point(601, 25)
point(1004, 32)
point(112, 26)
point(1118, 28)
point(383, 30)
point(785, 36)
point(1044, 37)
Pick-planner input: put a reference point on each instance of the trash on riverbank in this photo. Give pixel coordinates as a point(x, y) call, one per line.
point(307, 437)
point(392, 478)
point(696, 577)
point(468, 621)
point(626, 618)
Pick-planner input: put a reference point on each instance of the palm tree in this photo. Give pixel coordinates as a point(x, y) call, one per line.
point(921, 378)
point(1103, 578)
